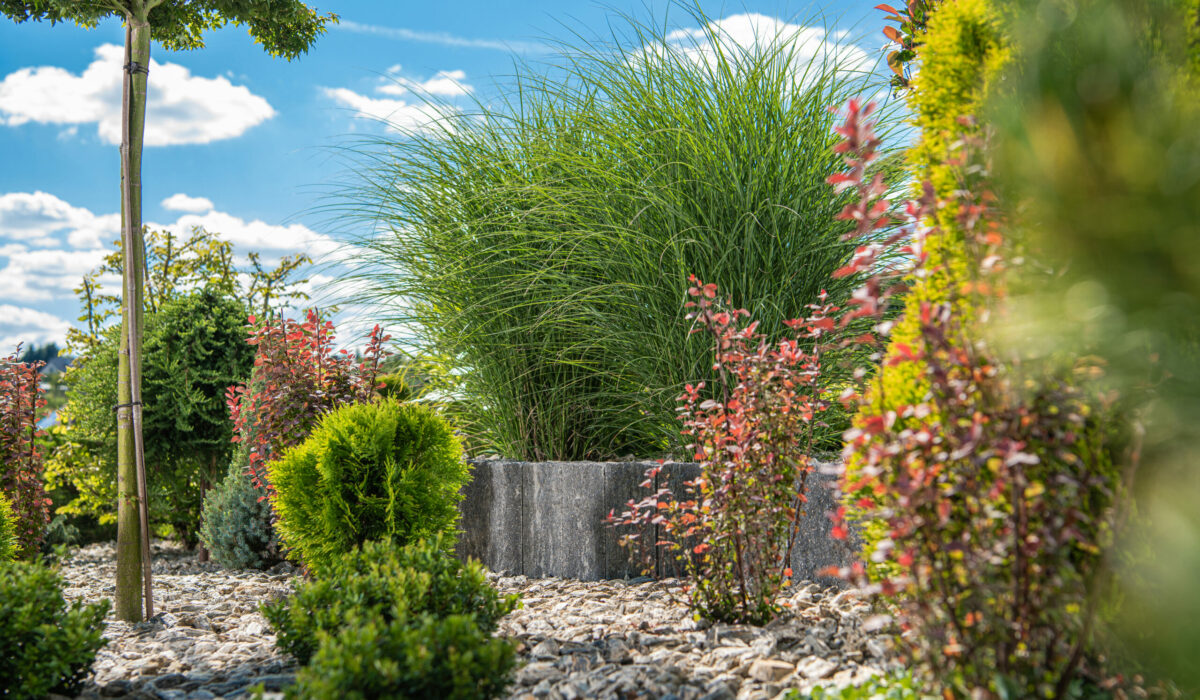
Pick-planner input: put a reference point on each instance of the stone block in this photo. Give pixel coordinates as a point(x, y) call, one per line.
point(565, 505)
point(815, 547)
point(493, 515)
point(547, 519)
point(674, 476)
point(623, 484)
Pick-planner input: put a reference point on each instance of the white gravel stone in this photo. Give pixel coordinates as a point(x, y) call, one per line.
point(599, 639)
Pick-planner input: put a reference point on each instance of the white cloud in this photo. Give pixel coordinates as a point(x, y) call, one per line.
point(182, 202)
point(737, 34)
point(21, 324)
point(35, 219)
point(441, 38)
point(399, 115)
point(182, 108)
point(47, 245)
point(46, 275)
point(270, 239)
point(444, 83)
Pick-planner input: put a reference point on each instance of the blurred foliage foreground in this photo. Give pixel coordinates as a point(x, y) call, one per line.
point(1097, 136)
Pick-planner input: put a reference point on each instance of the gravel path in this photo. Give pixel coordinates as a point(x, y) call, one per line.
point(606, 639)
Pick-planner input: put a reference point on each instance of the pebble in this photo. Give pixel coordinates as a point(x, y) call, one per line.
point(575, 639)
point(615, 640)
point(206, 640)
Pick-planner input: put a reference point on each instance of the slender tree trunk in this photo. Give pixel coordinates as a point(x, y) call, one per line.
point(133, 531)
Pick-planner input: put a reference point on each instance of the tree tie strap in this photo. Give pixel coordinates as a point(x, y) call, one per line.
point(131, 404)
point(135, 67)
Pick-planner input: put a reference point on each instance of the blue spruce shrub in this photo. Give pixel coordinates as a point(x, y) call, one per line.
point(236, 523)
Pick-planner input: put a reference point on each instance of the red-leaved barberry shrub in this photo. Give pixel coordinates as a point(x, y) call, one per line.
point(998, 491)
point(20, 455)
point(298, 377)
point(733, 527)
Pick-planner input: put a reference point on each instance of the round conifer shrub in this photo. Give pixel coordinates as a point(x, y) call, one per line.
point(8, 530)
point(383, 470)
point(46, 646)
point(236, 523)
point(385, 582)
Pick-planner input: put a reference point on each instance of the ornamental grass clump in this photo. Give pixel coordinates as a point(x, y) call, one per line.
point(539, 244)
point(733, 528)
point(381, 470)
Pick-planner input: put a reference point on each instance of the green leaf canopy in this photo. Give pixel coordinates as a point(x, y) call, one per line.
point(284, 28)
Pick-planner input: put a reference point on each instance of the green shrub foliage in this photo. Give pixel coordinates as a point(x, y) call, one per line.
point(426, 657)
point(8, 530)
point(996, 494)
point(385, 581)
point(45, 645)
point(194, 350)
point(1108, 172)
point(236, 524)
point(369, 471)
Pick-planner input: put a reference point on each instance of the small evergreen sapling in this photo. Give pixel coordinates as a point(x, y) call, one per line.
point(237, 523)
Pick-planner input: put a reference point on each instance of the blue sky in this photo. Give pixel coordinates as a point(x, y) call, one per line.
point(244, 144)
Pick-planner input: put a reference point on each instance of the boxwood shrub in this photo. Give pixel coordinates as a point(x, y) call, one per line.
point(45, 645)
point(424, 657)
point(386, 582)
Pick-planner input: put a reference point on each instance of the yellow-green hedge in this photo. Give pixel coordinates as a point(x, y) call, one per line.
point(962, 53)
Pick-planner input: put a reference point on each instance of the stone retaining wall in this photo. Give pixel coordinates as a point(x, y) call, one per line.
point(546, 519)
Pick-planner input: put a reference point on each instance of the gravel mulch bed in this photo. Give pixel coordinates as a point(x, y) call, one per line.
point(601, 639)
